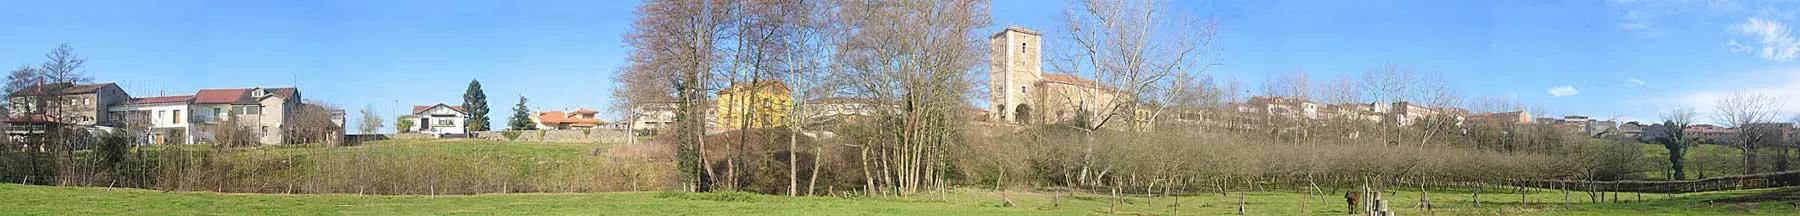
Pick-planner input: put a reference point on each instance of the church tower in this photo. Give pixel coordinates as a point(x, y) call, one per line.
point(1014, 71)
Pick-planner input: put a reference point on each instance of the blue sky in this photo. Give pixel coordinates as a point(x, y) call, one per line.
point(561, 54)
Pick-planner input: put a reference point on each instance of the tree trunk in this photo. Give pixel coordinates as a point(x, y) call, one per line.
point(794, 168)
point(812, 182)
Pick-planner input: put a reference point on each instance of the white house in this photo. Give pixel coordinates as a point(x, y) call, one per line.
point(439, 119)
point(166, 120)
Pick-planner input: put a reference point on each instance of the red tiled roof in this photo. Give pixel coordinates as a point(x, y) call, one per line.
point(219, 96)
point(35, 118)
point(584, 111)
point(69, 88)
point(168, 99)
point(1071, 79)
point(557, 117)
point(419, 109)
point(239, 95)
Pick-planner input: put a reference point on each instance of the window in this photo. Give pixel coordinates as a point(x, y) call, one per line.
point(249, 110)
point(175, 117)
point(159, 113)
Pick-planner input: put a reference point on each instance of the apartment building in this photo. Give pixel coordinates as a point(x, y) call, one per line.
point(69, 103)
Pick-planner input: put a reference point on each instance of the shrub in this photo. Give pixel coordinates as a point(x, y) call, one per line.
point(587, 131)
point(113, 147)
point(540, 135)
point(511, 134)
point(404, 124)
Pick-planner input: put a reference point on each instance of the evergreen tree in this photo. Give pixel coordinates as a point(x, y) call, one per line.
point(521, 119)
point(476, 105)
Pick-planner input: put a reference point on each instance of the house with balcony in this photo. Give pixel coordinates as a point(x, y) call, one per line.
point(44, 107)
point(69, 103)
point(266, 112)
point(162, 120)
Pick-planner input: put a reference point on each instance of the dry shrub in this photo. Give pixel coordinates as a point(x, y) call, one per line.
point(405, 171)
point(1054, 155)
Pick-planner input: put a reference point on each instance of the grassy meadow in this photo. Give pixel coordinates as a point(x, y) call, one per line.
point(46, 200)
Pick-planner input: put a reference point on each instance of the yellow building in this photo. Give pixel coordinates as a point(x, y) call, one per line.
point(764, 104)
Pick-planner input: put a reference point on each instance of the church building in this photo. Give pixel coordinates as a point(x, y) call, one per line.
point(1020, 91)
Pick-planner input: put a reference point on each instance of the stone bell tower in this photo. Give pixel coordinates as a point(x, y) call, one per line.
point(1015, 69)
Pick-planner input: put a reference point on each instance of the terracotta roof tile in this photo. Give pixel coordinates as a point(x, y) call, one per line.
point(558, 117)
point(168, 99)
point(418, 109)
point(66, 87)
point(219, 96)
point(1071, 79)
point(584, 111)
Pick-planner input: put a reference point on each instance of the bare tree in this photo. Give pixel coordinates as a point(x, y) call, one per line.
point(1674, 138)
point(1340, 91)
point(316, 122)
point(371, 121)
point(680, 40)
point(914, 53)
point(1389, 83)
point(638, 88)
point(1137, 47)
point(1751, 113)
point(1493, 104)
point(1291, 85)
point(1432, 89)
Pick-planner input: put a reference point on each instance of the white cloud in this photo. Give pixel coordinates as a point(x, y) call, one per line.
point(1783, 85)
point(1735, 47)
point(1634, 81)
point(1775, 13)
point(1560, 91)
point(1777, 44)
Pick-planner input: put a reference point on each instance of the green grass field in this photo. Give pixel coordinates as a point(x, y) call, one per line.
point(1711, 160)
point(45, 200)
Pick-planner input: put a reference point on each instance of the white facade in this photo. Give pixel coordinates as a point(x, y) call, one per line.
point(440, 119)
point(653, 116)
point(167, 121)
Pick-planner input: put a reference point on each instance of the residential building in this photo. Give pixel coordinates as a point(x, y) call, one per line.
point(264, 111)
point(651, 116)
point(439, 119)
point(1286, 107)
point(1632, 129)
point(163, 120)
point(754, 105)
point(1408, 113)
point(1710, 134)
point(1021, 92)
point(1585, 125)
point(80, 104)
point(1501, 119)
point(837, 107)
point(566, 120)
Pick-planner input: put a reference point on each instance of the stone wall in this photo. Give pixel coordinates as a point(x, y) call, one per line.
point(561, 136)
